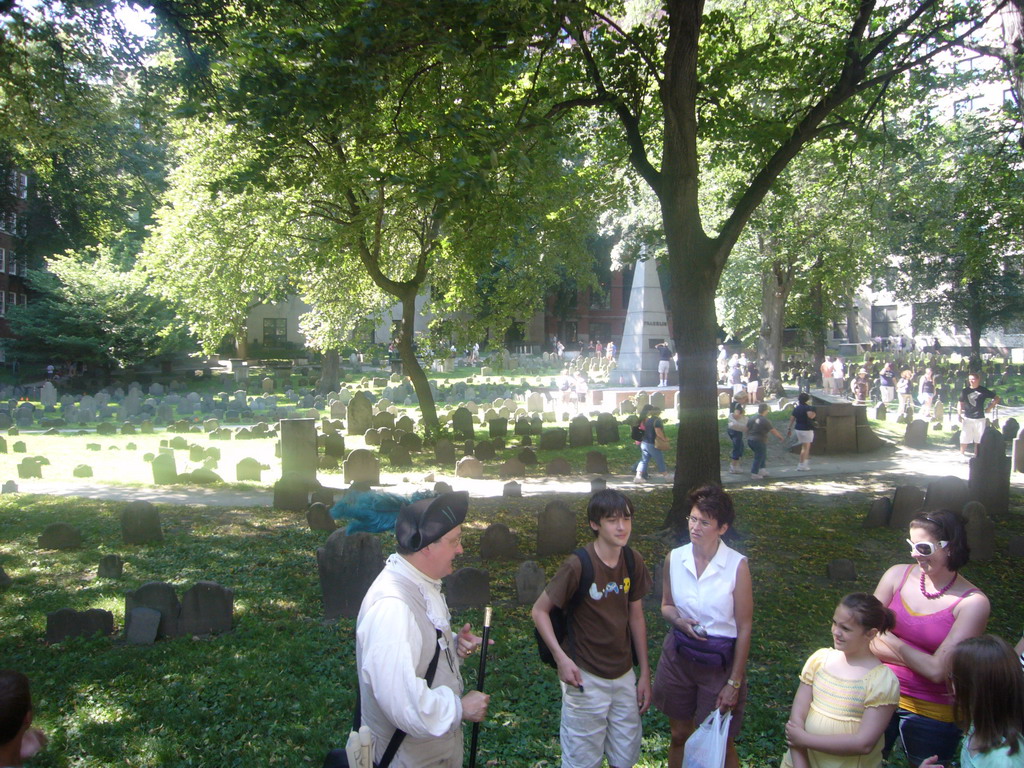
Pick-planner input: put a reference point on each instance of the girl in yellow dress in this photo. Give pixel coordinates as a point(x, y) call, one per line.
point(846, 696)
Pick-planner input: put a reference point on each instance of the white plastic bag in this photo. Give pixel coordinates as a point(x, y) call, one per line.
point(706, 746)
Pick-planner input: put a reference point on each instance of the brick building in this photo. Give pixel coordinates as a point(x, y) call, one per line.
point(13, 231)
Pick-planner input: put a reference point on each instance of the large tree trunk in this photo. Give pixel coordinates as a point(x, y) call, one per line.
point(330, 373)
point(411, 365)
point(776, 284)
point(975, 359)
point(242, 343)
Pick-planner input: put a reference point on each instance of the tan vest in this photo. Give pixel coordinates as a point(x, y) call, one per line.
point(443, 752)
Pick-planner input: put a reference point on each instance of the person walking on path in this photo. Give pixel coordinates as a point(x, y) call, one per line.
point(403, 630)
point(736, 429)
point(653, 428)
point(758, 429)
point(800, 423)
point(971, 409)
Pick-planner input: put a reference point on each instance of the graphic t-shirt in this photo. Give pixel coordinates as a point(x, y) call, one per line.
point(601, 620)
point(973, 399)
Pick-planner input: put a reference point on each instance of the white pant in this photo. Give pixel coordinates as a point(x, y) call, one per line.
point(602, 719)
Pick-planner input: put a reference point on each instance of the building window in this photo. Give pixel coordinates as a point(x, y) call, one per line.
point(22, 267)
point(3, 303)
point(24, 299)
point(967, 65)
point(275, 331)
point(883, 321)
point(12, 299)
point(12, 263)
point(962, 107)
point(23, 186)
point(3, 260)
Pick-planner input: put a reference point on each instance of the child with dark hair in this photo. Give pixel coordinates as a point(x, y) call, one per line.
point(18, 739)
point(846, 696)
point(602, 698)
point(988, 688)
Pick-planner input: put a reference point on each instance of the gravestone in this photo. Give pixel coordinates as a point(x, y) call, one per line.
point(1010, 429)
point(468, 588)
point(1018, 452)
point(841, 569)
point(140, 523)
point(142, 626)
point(338, 410)
point(558, 466)
point(498, 542)
point(906, 503)
point(383, 420)
point(164, 469)
point(512, 468)
point(19, 447)
point(360, 414)
point(990, 473)
point(30, 467)
point(444, 452)
point(879, 513)
point(607, 429)
point(110, 567)
point(981, 532)
point(161, 597)
point(512, 489)
point(249, 470)
point(528, 457)
point(598, 484)
point(880, 412)
point(523, 426)
point(581, 432)
point(597, 463)
point(206, 609)
point(9, 487)
point(556, 530)
point(530, 582)
point(67, 622)
point(292, 492)
point(298, 448)
point(552, 440)
point(497, 427)
point(949, 492)
point(318, 518)
point(60, 536)
point(82, 470)
point(462, 422)
point(916, 435)
point(484, 450)
point(347, 566)
point(470, 467)
point(399, 457)
point(362, 466)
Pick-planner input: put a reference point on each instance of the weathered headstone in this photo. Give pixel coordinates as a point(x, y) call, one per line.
point(462, 422)
point(916, 435)
point(82, 470)
point(552, 440)
point(318, 517)
point(142, 626)
point(165, 470)
point(528, 457)
point(67, 622)
point(362, 465)
point(556, 530)
point(207, 608)
point(530, 582)
point(249, 470)
point(597, 463)
point(512, 468)
point(360, 414)
point(468, 588)
point(292, 492)
point(497, 427)
point(110, 567)
point(470, 467)
point(298, 448)
point(444, 452)
point(347, 566)
point(30, 467)
point(485, 451)
point(581, 433)
point(906, 503)
point(159, 596)
point(990, 473)
point(558, 466)
point(498, 542)
point(598, 484)
point(879, 513)
point(949, 492)
point(60, 536)
point(140, 523)
point(512, 489)
point(607, 429)
point(981, 532)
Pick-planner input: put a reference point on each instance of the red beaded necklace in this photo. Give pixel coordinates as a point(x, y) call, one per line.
point(941, 592)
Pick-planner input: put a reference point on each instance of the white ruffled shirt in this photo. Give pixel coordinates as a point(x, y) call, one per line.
point(391, 642)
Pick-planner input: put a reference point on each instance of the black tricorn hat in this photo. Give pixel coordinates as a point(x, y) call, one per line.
point(425, 521)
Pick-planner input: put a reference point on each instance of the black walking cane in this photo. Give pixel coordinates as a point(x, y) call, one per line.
point(480, 681)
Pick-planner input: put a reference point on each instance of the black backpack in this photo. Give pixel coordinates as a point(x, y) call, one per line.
point(561, 618)
point(637, 433)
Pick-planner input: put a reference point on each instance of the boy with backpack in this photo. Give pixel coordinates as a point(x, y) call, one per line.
point(597, 591)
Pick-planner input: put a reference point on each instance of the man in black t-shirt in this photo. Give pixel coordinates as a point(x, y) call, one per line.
point(972, 410)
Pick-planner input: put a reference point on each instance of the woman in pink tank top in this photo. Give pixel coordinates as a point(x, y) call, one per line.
point(935, 609)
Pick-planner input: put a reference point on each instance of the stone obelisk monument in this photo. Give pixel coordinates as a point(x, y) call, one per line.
point(646, 326)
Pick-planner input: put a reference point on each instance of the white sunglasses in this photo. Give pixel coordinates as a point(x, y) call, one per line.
point(924, 548)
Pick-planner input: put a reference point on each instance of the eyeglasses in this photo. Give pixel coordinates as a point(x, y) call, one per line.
point(924, 548)
point(696, 520)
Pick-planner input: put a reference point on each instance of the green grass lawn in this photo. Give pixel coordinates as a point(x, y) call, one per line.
point(277, 690)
